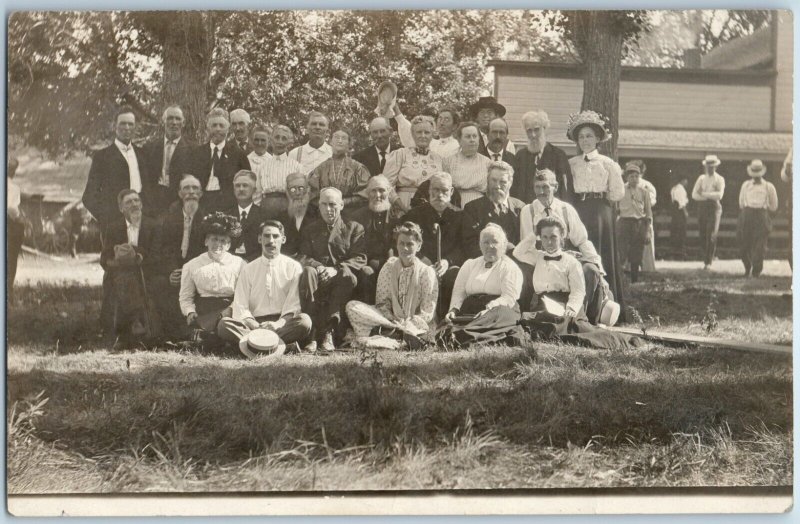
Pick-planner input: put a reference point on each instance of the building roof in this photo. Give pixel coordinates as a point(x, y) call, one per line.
point(745, 52)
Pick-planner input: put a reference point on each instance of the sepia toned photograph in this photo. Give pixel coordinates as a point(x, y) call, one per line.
point(405, 253)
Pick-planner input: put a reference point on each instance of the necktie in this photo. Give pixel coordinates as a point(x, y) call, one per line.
point(169, 148)
point(547, 211)
point(536, 159)
point(244, 216)
point(383, 160)
point(268, 279)
point(557, 257)
point(496, 157)
point(215, 162)
point(187, 227)
point(586, 158)
point(488, 265)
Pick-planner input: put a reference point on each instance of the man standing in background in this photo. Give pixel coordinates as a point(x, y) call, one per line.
point(158, 184)
point(240, 125)
point(708, 192)
point(316, 150)
point(679, 215)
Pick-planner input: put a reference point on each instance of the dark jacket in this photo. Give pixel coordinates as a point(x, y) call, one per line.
point(551, 158)
point(170, 234)
point(378, 231)
point(452, 225)
point(117, 233)
point(293, 235)
point(507, 157)
point(344, 247)
point(157, 198)
point(370, 158)
point(250, 231)
point(108, 175)
point(480, 212)
point(197, 161)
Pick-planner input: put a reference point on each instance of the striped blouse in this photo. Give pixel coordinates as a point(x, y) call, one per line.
point(271, 172)
point(469, 175)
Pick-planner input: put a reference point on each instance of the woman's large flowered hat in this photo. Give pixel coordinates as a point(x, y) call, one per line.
point(218, 223)
point(591, 118)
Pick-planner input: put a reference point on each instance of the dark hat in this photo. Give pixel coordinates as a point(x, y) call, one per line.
point(218, 223)
point(487, 102)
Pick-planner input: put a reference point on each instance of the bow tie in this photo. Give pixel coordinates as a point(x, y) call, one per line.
point(488, 265)
point(422, 150)
point(556, 257)
point(586, 158)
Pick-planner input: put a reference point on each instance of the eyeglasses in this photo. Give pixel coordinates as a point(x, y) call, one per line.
point(297, 189)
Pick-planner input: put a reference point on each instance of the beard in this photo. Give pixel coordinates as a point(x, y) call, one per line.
point(536, 146)
point(298, 208)
point(379, 206)
point(190, 206)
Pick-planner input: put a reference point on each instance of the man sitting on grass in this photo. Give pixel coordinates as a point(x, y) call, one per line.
point(267, 295)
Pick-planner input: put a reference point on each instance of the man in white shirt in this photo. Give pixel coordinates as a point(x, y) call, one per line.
point(757, 199)
point(679, 214)
point(267, 295)
point(316, 150)
point(708, 192)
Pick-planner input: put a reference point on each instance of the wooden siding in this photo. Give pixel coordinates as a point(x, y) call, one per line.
point(642, 104)
point(784, 85)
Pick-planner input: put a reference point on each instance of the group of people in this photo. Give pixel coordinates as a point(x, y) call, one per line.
point(246, 232)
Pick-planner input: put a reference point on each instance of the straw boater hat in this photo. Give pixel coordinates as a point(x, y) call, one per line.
point(218, 223)
point(756, 169)
point(588, 118)
point(261, 343)
point(487, 102)
point(711, 160)
point(609, 312)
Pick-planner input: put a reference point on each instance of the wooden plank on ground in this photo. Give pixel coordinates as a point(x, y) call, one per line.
point(41, 254)
point(672, 338)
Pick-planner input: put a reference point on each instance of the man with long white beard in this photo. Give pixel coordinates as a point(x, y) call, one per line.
point(298, 215)
point(378, 222)
point(540, 154)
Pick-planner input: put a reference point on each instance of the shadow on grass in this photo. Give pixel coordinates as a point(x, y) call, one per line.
point(213, 413)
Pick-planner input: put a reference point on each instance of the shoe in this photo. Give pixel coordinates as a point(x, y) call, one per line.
point(707, 267)
point(311, 347)
point(292, 349)
point(327, 342)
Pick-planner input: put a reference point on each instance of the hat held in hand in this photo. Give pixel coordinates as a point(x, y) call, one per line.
point(387, 96)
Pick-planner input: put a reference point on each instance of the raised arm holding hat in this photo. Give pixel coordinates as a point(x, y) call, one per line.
point(757, 199)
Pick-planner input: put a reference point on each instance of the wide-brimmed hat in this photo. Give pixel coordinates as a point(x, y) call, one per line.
point(711, 160)
point(609, 312)
point(487, 102)
point(632, 167)
point(218, 223)
point(588, 118)
point(756, 169)
point(386, 89)
point(260, 343)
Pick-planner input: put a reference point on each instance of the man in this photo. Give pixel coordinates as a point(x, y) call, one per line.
point(299, 214)
point(15, 225)
point(332, 252)
point(158, 189)
point(497, 206)
point(214, 163)
point(537, 155)
point(576, 237)
point(498, 138)
point(315, 151)
point(447, 122)
point(179, 240)
point(483, 112)
point(679, 214)
point(129, 261)
point(240, 125)
point(378, 222)
point(633, 224)
point(267, 295)
point(113, 169)
point(439, 214)
point(708, 191)
point(250, 216)
point(757, 199)
point(374, 156)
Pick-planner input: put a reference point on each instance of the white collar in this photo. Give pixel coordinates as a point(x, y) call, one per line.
point(245, 209)
point(221, 146)
point(323, 148)
point(131, 224)
point(594, 155)
point(167, 140)
point(553, 205)
point(386, 151)
point(122, 147)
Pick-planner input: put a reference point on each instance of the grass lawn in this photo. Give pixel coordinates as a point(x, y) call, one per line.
point(84, 419)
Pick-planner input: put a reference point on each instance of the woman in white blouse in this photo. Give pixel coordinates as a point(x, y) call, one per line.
point(208, 281)
point(467, 167)
point(489, 281)
point(597, 182)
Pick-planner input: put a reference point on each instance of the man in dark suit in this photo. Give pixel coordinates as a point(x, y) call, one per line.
point(498, 138)
point(179, 240)
point(299, 215)
point(496, 206)
point(250, 215)
point(374, 156)
point(214, 163)
point(129, 260)
point(379, 224)
point(240, 125)
point(483, 112)
point(333, 252)
point(438, 212)
point(113, 169)
point(539, 154)
point(158, 191)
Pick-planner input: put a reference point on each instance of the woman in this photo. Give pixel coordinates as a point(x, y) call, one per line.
point(209, 280)
point(490, 281)
point(407, 168)
point(597, 182)
point(649, 254)
point(467, 167)
point(405, 299)
point(342, 172)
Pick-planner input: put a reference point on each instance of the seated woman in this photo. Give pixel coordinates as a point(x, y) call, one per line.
point(405, 298)
point(557, 275)
point(208, 281)
point(489, 281)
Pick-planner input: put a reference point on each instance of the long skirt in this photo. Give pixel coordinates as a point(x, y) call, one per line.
point(598, 217)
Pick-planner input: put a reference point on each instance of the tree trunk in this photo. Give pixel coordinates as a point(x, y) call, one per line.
point(188, 49)
point(600, 45)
